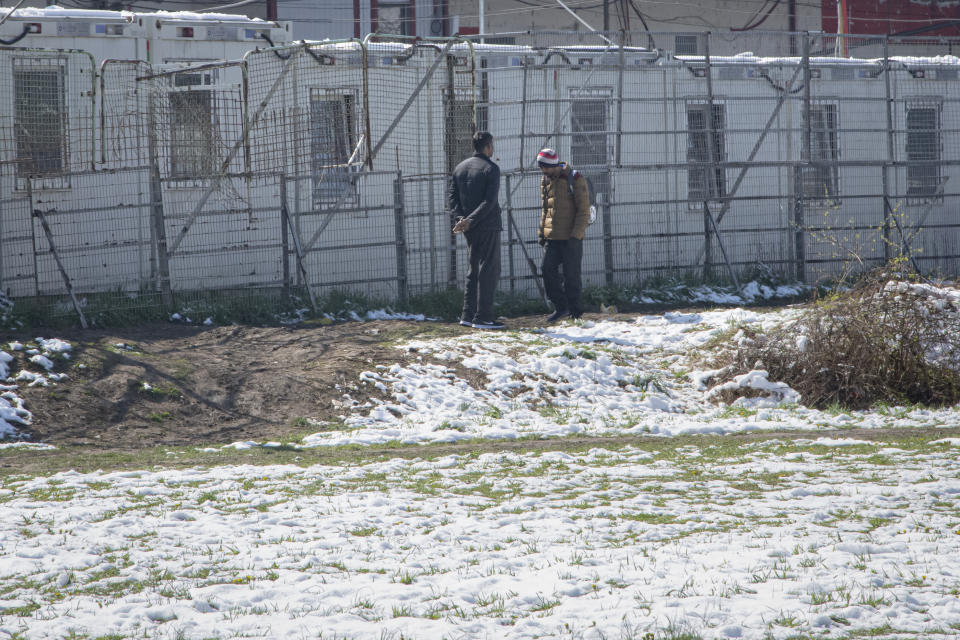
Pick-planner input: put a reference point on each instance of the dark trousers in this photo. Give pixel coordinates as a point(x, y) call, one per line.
point(561, 274)
point(483, 252)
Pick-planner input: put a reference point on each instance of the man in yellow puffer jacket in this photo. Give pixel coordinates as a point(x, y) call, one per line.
point(564, 217)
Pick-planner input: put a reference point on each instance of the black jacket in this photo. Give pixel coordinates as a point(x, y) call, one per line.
point(473, 192)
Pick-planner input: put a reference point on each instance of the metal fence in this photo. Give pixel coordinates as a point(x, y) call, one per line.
point(323, 167)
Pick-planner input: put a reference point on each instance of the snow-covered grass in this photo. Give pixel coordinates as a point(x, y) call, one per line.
point(641, 376)
point(677, 537)
point(14, 415)
point(818, 538)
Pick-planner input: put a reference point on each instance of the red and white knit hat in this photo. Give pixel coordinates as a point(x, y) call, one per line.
point(548, 157)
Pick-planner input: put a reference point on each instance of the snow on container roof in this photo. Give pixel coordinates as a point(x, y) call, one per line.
point(399, 46)
point(601, 48)
point(55, 12)
point(911, 61)
point(749, 58)
point(192, 16)
point(384, 47)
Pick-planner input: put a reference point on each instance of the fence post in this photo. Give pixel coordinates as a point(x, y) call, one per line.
point(401, 238)
point(284, 237)
point(886, 209)
point(452, 279)
point(2, 252)
point(608, 230)
point(37, 213)
point(292, 230)
point(619, 140)
point(510, 265)
point(712, 183)
point(523, 122)
point(798, 204)
point(707, 243)
point(159, 230)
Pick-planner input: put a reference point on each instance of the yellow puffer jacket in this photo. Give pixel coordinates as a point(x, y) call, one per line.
point(561, 217)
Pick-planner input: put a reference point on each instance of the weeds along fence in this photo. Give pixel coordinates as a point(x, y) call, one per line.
point(323, 167)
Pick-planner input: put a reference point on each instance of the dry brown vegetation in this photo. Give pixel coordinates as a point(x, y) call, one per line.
point(889, 339)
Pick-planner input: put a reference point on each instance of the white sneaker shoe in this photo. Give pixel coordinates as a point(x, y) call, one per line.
point(489, 324)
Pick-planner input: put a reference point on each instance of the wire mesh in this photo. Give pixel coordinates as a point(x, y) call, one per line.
point(326, 164)
point(49, 114)
point(124, 110)
point(756, 42)
point(101, 237)
point(16, 237)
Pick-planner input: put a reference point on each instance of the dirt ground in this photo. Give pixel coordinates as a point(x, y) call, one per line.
point(206, 385)
point(217, 385)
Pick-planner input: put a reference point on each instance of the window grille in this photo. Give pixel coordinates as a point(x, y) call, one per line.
point(40, 116)
point(589, 144)
point(685, 45)
point(703, 181)
point(333, 127)
point(923, 150)
point(821, 178)
point(192, 151)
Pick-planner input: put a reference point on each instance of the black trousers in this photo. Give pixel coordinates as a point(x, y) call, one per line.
point(483, 253)
point(561, 274)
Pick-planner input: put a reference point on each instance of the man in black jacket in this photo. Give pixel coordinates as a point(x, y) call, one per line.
point(472, 200)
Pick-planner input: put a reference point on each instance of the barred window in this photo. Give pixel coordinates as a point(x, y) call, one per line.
point(685, 45)
point(923, 150)
point(821, 178)
point(40, 115)
point(703, 181)
point(589, 141)
point(192, 152)
point(333, 138)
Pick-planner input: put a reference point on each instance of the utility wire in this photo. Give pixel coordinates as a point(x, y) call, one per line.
point(756, 24)
point(691, 20)
point(10, 13)
point(584, 23)
point(756, 15)
point(653, 45)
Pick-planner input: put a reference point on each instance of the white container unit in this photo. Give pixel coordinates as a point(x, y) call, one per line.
point(641, 154)
point(155, 37)
point(72, 112)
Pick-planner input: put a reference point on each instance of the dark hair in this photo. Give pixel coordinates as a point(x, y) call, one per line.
point(481, 139)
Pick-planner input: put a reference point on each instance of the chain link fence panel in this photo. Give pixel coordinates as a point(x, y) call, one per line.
point(323, 167)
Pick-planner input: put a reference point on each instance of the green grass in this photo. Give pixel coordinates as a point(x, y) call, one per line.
point(300, 423)
point(52, 494)
point(161, 391)
point(713, 448)
point(587, 492)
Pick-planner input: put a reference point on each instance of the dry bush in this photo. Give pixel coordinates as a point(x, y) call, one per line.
point(889, 339)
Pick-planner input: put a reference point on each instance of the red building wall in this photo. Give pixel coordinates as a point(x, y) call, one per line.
point(904, 17)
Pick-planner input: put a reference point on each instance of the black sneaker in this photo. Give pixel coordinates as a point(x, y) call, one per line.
point(559, 314)
point(489, 324)
point(465, 323)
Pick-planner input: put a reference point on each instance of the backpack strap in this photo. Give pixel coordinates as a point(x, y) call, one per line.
point(571, 176)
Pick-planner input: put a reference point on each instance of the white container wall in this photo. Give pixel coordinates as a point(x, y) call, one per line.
point(325, 164)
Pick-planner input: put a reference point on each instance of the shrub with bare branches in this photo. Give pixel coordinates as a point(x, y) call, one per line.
point(889, 339)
